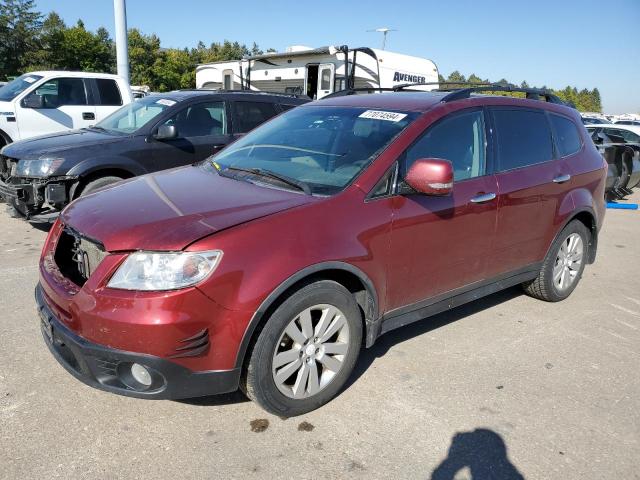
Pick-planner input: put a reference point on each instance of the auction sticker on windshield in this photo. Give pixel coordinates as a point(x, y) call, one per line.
point(166, 102)
point(382, 115)
point(30, 79)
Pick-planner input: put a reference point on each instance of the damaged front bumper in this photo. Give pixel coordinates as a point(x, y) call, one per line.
point(37, 199)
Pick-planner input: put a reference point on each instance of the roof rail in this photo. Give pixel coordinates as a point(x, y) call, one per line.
point(465, 90)
point(531, 93)
point(403, 86)
point(353, 91)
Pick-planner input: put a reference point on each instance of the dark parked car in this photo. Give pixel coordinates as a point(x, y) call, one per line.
point(39, 176)
point(271, 265)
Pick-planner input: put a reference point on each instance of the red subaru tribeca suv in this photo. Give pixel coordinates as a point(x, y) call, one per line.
point(270, 265)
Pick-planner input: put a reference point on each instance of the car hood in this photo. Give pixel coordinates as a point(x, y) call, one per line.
point(54, 143)
point(171, 209)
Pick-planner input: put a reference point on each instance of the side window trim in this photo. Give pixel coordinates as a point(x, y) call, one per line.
point(402, 158)
point(392, 188)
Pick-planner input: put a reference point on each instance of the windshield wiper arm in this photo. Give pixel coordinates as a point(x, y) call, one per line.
point(278, 176)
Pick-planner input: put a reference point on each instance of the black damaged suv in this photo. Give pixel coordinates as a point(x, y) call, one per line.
point(39, 176)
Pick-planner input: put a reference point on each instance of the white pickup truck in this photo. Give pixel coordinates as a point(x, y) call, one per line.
point(39, 103)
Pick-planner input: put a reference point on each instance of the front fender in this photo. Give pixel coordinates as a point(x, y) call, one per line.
point(96, 163)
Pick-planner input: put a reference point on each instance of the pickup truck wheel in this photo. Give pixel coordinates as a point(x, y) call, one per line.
point(562, 269)
point(98, 183)
point(306, 351)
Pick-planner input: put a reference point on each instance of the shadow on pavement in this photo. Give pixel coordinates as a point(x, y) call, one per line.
point(483, 452)
point(388, 340)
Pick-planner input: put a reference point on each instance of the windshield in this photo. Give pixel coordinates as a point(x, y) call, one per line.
point(15, 87)
point(135, 115)
point(323, 148)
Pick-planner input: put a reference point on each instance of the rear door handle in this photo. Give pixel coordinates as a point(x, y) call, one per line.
point(88, 116)
point(562, 178)
point(483, 198)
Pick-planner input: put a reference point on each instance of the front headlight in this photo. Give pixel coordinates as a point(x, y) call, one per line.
point(164, 271)
point(38, 168)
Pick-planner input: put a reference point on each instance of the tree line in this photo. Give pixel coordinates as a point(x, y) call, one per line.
point(31, 41)
point(584, 100)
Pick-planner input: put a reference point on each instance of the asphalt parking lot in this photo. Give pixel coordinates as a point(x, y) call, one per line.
point(502, 387)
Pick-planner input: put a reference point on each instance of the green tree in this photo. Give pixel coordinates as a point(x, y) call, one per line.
point(144, 51)
point(20, 26)
point(85, 51)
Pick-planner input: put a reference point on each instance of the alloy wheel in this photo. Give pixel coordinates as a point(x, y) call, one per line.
point(311, 351)
point(568, 262)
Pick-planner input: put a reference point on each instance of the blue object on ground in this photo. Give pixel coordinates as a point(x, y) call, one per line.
point(623, 206)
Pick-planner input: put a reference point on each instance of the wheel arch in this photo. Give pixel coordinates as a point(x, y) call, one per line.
point(349, 276)
point(4, 137)
point(587, 217)
point(98, 172)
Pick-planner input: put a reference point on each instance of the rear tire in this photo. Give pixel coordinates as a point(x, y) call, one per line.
point(306, 351)
point(98, 183)
point(562, 268)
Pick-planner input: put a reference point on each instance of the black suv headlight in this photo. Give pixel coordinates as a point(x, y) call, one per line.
point(42, 167)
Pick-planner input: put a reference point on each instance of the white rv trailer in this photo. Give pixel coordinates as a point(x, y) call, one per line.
point(318, 72)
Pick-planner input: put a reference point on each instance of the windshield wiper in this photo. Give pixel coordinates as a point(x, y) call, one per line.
point(278, 176)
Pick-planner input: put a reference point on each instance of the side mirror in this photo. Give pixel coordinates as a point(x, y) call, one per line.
point(166, 132)
point(33, 101)
point(431, 176)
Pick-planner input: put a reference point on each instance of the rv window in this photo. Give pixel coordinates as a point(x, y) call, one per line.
point(248, 115)
point(325, 80)
point(227, 82)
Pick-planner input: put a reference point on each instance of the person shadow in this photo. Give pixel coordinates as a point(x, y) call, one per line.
point(481, 451)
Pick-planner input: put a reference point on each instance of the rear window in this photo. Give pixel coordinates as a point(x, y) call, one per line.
point(109, 92)
point(524, 138)
point(248, 115)
point(567, 135)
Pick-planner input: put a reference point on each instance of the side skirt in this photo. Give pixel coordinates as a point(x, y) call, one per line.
point(454, 298)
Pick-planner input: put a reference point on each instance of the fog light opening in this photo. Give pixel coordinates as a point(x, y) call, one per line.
point(141, 374)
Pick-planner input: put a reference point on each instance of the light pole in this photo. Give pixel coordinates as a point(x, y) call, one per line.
point(122, 48)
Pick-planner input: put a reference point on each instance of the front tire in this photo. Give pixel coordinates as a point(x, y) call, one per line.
point(306, 351)
point(98, 184)
point(562, 268)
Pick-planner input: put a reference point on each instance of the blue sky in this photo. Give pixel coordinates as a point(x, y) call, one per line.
point(588, 43)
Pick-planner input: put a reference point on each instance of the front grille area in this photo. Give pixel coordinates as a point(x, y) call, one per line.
point(7, 166)
point(77, 257)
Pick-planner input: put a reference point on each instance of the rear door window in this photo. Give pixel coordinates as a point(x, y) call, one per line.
point(567, 136)
point(523, 137)
point(248, 115)
point(108, 91)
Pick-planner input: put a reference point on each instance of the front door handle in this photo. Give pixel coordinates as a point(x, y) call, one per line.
point(483, 198)
point(88, 116)
point(562, 178)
